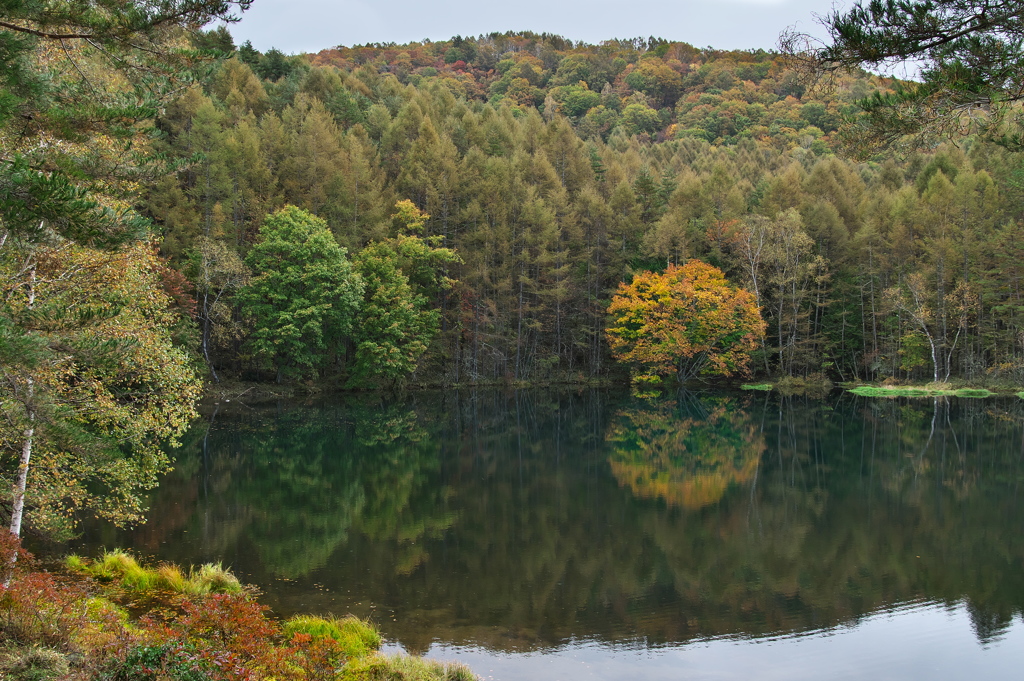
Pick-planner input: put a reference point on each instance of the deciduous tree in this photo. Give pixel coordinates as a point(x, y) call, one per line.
point(90, 384)
point(687, 321)
point(303, 295)
point(399, 316)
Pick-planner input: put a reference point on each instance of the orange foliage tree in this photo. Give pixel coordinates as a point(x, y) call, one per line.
point(687, 320)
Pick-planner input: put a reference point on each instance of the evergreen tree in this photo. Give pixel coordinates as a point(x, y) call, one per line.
point(969, 54)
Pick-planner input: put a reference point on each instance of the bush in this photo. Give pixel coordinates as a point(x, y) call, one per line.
point(182, 627)
point(37, 608)
point(159, 662)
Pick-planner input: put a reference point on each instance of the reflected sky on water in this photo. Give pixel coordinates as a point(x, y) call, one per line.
point(915, 641)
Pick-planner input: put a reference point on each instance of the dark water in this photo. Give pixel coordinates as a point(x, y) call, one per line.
point(586, 535)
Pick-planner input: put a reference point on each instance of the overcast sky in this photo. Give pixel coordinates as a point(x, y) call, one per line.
point(311, 25)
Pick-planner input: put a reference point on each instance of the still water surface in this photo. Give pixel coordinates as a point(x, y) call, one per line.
point(586, 535)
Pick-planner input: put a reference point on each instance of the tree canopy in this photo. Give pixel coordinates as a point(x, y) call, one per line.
point(304, 293)
point(402, 276)
point(550, 207)
point(687, 321)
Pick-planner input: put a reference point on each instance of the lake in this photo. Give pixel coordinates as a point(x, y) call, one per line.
point(551, 535)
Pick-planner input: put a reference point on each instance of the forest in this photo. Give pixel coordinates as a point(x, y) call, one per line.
point(493, 192)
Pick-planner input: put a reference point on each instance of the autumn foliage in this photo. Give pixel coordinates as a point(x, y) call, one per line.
point(688, 320)
point(117, 620)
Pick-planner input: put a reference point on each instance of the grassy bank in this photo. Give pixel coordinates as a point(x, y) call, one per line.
point(112, 619)
point(918, 391)
point(788, 386)
point(814, 385)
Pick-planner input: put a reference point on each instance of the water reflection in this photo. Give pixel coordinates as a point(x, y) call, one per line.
point(525, 521)
point(687, 451)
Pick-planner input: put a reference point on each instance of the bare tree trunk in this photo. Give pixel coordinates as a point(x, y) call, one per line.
point(519, 327)
point(21, 483)
point(206, 335)
point(935, 358)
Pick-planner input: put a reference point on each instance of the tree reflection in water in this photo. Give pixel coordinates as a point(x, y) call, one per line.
point(523, 520)
point(687, 451)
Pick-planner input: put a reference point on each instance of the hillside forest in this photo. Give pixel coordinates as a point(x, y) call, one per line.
point(463, 211)
point(553, 171)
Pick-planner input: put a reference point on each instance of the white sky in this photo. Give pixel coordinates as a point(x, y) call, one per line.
point(295, 26)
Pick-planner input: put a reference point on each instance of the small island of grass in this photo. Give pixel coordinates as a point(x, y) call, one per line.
point(757, 386)
point(919, 391)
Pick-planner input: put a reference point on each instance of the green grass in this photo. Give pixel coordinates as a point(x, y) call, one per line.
point(973, 392)
point(756, 386)
point(877, 391)
point(903, 391)
point(357, 638)
point(404, 668)
point(121, 567)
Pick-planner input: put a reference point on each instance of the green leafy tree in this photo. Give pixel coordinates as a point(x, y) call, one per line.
point(398, 318)
point(575, 100)
point(638, 118)
point(393, 330)
point(303, 295)
point(91, 384)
